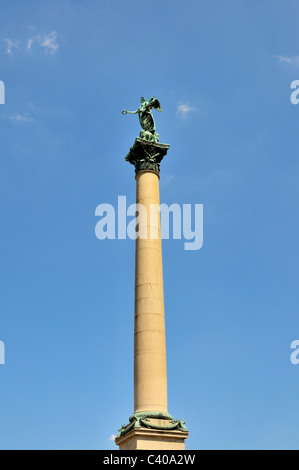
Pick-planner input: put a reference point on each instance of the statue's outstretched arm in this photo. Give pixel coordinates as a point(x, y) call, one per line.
point(125, 111)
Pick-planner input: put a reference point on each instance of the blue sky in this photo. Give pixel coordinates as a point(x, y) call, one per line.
point(222, 72)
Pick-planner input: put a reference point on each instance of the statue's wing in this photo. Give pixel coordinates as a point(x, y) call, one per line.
point(154, 103)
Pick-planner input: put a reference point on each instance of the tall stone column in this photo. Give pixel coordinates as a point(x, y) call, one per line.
point(150, 376)
point(150, 426)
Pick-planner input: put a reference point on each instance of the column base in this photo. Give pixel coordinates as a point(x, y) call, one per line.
point(152, 439)
point(152, 430)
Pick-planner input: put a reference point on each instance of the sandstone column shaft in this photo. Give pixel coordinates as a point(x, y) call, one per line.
point(150, 376)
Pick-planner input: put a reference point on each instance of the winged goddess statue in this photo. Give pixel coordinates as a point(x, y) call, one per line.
point(146, 118)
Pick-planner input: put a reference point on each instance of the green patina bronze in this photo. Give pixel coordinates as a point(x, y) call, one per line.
point(146, 118)
point(139, 420)
point(146, 155)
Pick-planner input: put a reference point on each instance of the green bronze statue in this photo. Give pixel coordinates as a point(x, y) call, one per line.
point(146, 118)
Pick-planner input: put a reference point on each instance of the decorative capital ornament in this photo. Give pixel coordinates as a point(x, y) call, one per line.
point(146, 155)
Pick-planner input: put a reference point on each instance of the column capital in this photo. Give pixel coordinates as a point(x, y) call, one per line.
point(146, 155)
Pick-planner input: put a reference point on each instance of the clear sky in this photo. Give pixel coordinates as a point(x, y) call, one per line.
point(222, 71)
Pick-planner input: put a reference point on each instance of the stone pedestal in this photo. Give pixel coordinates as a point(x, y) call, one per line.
point(150, 427)
point(148, 439)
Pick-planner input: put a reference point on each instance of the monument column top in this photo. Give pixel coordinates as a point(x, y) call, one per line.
point(146, 155)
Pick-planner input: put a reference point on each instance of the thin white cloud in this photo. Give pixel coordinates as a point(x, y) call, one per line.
point(21, 118)
point(11, 45)
point(50, 43)
point(288, 60)
point(112, 437)
point(47, 42)
point(167, 179)
point(183, 110)
point(30, 42)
